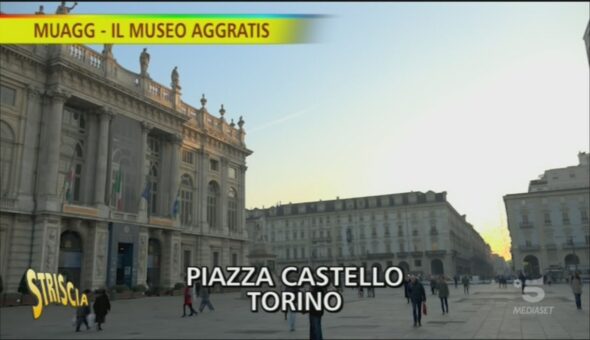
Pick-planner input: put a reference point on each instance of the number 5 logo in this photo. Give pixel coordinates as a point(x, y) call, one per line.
point(538, 291)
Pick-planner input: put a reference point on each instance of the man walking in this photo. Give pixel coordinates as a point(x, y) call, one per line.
point(443, 294)
point(465, 282)
point(418, 296)
point(456, 278)
point(577, 289)
point(522, 279)
point(205, 302)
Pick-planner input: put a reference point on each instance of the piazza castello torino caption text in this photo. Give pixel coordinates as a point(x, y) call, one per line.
point(300, 301)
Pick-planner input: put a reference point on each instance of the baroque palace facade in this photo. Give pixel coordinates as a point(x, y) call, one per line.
point(420, 232)
point(108, 176)
point(549, 224)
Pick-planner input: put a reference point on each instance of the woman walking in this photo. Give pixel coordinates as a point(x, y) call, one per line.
point(188, 301)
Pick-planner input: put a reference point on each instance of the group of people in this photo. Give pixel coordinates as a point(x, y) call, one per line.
point(190, 294)
point(101, 306)
point(370, 292)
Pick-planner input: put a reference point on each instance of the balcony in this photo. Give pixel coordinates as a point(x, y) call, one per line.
point(526, 225)
point(436, 253)
point(550, 246)
point(379, 255)
point(402, 254)
point(529, 247)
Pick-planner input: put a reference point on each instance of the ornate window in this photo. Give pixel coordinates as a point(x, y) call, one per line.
point(212, 204)
point(186, 200)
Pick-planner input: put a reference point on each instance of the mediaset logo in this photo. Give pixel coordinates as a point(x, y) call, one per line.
point(52, 288)
point(538, 294)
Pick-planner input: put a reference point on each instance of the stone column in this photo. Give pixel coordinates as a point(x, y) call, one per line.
point(29, 150)
point(50, 151)
point(46, 243)
point(104, 117)
point(242, 200)
point(223, 195)
point(142, 256)
point(204, 186)
point(96, 256)
point(170, 265)
point(143, 171)
point(175, 144)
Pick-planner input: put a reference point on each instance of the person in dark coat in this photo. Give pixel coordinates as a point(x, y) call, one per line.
point(407, 289)
point(102, 306)
point(82, 313)
point(456, 279)
point(465, 281)
point(315, 316)
point(522, 279)
point(418, 296)
point(443, 294)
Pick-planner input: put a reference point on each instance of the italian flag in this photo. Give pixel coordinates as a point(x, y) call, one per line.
point(69, 184)
point(117, 190)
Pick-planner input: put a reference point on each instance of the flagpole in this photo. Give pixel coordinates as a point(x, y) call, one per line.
point(68, 179)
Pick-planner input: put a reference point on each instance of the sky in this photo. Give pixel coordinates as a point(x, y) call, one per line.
point(475, 99)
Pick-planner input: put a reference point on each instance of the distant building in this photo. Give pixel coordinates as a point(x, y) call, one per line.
point(501, 267)
point(420, 232)
point(549, 224)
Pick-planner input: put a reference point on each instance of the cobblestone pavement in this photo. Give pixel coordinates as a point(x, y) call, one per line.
point(487, 313)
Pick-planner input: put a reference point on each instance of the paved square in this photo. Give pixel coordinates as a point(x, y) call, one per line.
point(487, 313)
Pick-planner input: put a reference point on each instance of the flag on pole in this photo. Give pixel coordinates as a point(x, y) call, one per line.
point(146, 194)
point(117, 190)
point(67, 192)
point(69, 184)
point(176, 203)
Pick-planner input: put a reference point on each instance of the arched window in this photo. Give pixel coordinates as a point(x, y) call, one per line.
point(186, 200)
point(232, 209)
point(6, 156)
point(212, 204)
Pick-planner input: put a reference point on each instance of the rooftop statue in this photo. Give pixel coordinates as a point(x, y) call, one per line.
point(144, 61)
point(63, 9)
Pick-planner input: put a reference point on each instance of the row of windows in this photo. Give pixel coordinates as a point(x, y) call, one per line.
point(547, 220)
point(188, 157)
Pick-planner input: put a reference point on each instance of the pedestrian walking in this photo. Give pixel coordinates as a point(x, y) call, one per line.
point(456, 279)
point(188, 302)
point(522, 279)
point(577, 289)
point(443, 294)
point(291, 313)
point(407, 289)
point(102, 306)
point(315, 316)
point(418, 296)
point(205, 302)
point(465, 282)
point(433, 284)
point(361, 292)
point(82, 313)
